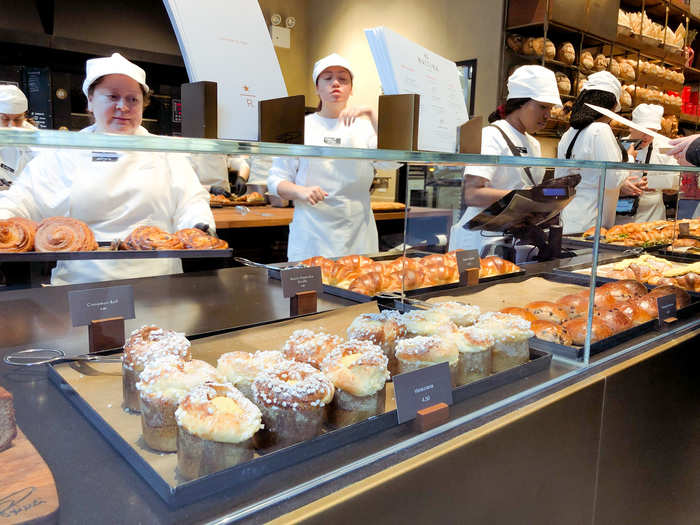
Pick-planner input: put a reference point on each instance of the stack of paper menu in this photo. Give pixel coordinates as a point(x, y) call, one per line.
point(405, 67)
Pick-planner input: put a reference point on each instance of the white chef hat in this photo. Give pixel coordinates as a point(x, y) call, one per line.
point(114, 65)
point(535, 82)
point(331, 60)
point(12, 100)
point(648, 115)
point(604, 81)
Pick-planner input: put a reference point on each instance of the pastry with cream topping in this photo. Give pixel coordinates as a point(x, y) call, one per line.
point(423, 351)
point(241, 368)
point(511, 335)
point(216, 424)
point(358, 371)
point(427, 323)
point(293, 402)
point(307, 346)
point(148, 343)
point(383, 329)
point(475, 347)
point(163, 384)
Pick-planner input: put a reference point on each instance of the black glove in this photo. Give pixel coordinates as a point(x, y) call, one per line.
point(238, 186)
point(692, 155)
point(218, 190)
point(206, 229)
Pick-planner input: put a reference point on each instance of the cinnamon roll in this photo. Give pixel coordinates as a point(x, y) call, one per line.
point(196, 239)
point(215, 428)
point(64, 234)
point(145, 345)
point(162, 385)
point(17, 235)
point(292, 400)
point(358, 371)
point(150, 238)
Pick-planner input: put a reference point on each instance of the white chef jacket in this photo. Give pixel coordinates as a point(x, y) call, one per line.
point(595, 142)
point(500, 177)
point(113, 192)
point(651, 203)
point(13, 159)
point(343, 223)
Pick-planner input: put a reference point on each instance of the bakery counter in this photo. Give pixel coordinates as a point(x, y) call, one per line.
point(539, 435)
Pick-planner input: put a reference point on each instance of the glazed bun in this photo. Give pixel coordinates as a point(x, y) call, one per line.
point(575, 305)
point(682, 297)
point(547, 311)
point(576, 328)
point(633, 312)
point(615, 319)
point(623, 290)
point(520, 312)
point(603, 298)
point(549, 331)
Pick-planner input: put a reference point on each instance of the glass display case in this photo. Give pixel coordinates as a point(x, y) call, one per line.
point(507, 268)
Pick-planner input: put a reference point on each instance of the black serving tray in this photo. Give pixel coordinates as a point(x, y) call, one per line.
point(362, 298)
point(271, 462)
point(104, 252)
point(576, 352)
point(579, 241)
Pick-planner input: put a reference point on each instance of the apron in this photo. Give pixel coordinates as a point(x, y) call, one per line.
point(13, 159)
point(582, 212)
point(461, 238)
point(110, 189)
point(341, 224)
point(651, 203)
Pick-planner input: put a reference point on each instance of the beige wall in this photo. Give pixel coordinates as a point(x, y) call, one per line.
point(455, 29)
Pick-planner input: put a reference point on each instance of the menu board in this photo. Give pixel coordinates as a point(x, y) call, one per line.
point(405, 67)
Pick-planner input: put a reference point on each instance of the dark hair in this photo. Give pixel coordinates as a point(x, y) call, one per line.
point(511, 105)
point(99, 80)
point(582, 115)
point(320, 102)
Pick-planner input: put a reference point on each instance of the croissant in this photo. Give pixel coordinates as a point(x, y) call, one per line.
point(196, 239)
point(17, 235)
point(150, 238)
point(64, 234)
point(372, 283)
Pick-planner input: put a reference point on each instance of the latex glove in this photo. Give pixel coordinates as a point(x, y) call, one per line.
point(206, 229)
point(632, 186)
point(238, 187)
point(680, 149)
point(218, 190)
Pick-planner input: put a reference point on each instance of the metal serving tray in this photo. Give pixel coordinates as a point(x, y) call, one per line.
point(362, 298)
point(576, 352)
point(269, 463)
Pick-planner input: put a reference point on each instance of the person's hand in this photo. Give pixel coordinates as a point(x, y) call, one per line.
point(631, 187)
point(218, 190)
point(239, 186)
point(632, 152)
point(680, 148)
point(350, 114)
point(203, 226)
point(311, 194)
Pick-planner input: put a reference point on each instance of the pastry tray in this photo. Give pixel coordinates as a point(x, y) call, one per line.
point(576, 352)
point(362, 298)
point(578, 240)
point(105, 252)
point(217, 204)
point(181, 493)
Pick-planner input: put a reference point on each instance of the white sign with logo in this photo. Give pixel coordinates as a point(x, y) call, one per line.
point(229, 43)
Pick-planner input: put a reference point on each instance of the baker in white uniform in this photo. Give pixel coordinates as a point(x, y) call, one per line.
point(112, 191)
point(532, 93)
point(591, 138)
point(13, 109)
point(651, 201)
point(332, 212)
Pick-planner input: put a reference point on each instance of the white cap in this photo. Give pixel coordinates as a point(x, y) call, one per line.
point(331, 60)
point(604, 81)
point(12, 100)
point(535, 82)
point(648, 115)
point(114, 65)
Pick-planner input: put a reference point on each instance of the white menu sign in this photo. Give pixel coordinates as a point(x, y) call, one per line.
point(406, 67)
point(229, 43)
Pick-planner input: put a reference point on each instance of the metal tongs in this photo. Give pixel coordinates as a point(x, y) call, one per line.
point(248, 262)
point(43, 356)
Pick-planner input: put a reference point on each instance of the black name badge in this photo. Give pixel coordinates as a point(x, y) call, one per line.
point(666, 306)
point(101, 303)
point(421, 389)
point(684, 229)
point(297, 280)
point(467, 259)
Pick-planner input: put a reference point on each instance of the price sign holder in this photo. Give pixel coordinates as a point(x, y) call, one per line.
point(106, 334)
point(432, 416)
point(103, 310)
point(666, 306)
point(421, 394)
point(302, 286)
point(468, 266)
point(303, 303)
